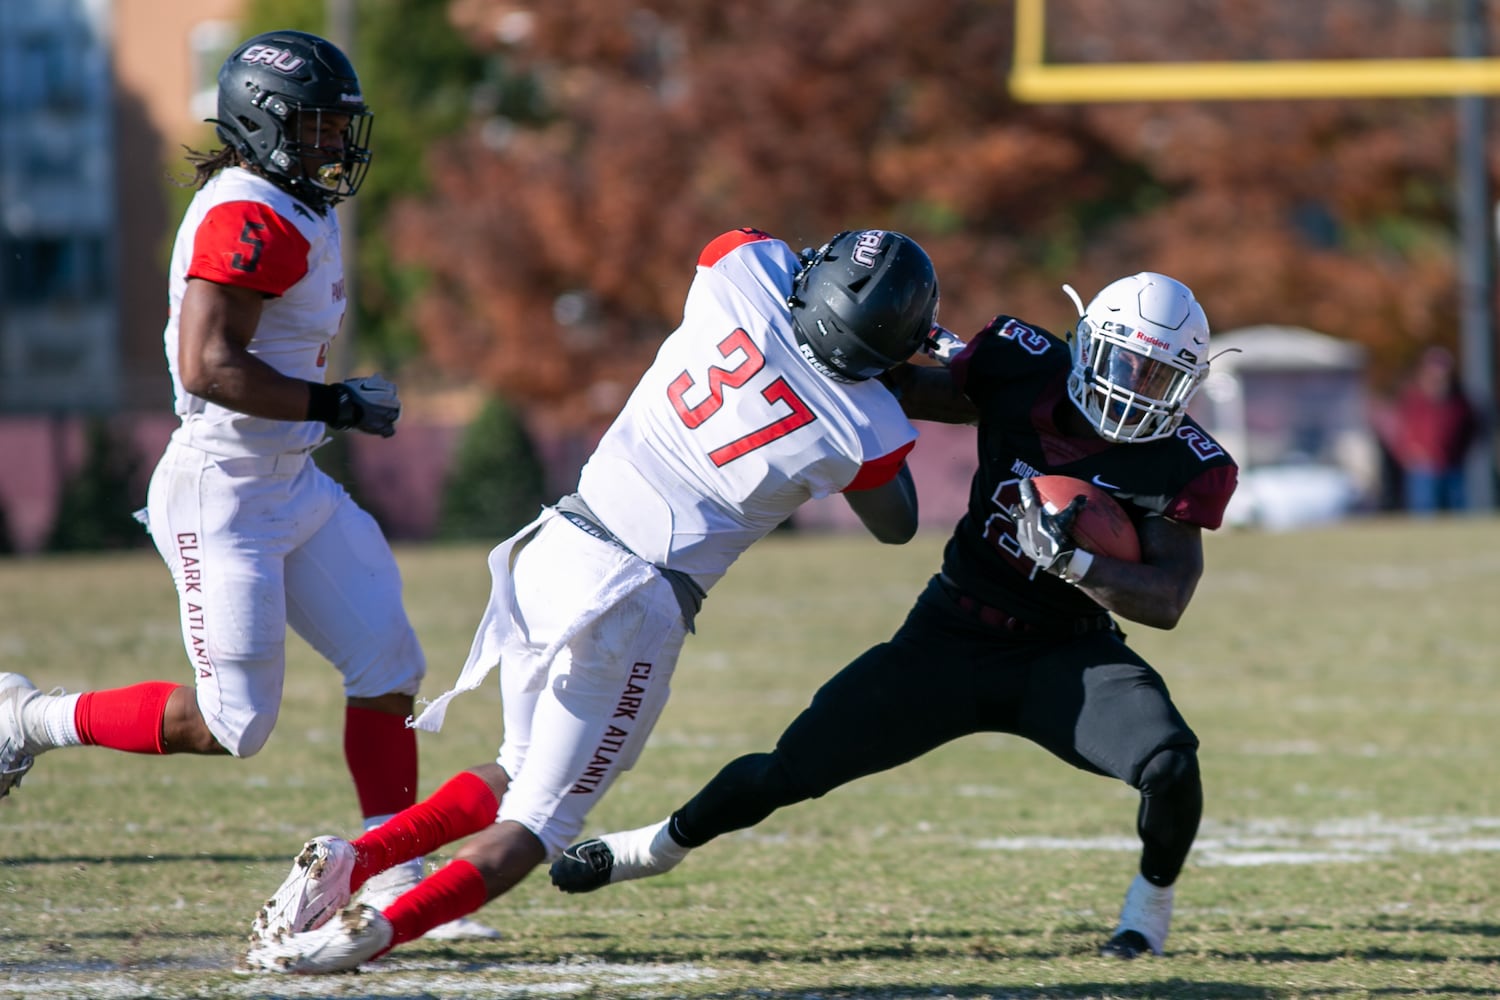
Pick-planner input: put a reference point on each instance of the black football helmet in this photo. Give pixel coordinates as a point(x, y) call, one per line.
point(864, 302)
point(266, 88)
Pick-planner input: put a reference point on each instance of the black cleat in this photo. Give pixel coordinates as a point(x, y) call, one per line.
point(1125, 945)
point(583, 867)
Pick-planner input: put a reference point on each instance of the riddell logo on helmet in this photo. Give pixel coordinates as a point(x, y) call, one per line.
point(280, 60)
point(867, 246)
point(1142, 335)
point(818, 365)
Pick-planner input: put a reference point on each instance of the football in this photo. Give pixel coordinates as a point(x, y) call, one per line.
point(1103, 527)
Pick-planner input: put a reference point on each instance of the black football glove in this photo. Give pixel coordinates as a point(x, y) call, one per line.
point(1045, 538)
point(367, 404)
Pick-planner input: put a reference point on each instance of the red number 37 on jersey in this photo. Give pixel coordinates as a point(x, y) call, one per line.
point(748, 360)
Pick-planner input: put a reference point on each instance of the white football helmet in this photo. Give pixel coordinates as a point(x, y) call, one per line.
point(1139, 354)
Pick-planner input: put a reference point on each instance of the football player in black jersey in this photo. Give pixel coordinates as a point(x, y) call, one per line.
point(1017, 633)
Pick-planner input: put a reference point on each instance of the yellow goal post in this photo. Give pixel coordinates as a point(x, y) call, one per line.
point(1034, 80)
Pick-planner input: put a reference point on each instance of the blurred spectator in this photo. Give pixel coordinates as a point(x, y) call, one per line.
point(1428, 431)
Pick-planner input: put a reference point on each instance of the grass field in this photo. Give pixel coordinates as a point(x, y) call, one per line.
point(1343, 683)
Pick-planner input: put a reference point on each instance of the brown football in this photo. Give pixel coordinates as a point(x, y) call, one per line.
point(1103, 527)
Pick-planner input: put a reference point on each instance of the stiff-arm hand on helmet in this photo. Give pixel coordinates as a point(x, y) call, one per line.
point(942, 345)
point(369, 404)
point(1045, 538)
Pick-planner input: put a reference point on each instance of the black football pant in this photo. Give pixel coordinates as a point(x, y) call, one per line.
point(1089, 699)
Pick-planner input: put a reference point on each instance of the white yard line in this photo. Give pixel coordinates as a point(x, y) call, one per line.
point(398, 980)
point(1279, 841)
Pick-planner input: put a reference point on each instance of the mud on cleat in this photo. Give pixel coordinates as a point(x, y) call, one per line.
point(316, 889)
point(342, 944)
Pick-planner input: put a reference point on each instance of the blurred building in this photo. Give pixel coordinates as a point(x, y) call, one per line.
point(1291, 406)
point(95, 95)
point(58, 318)
point(165, 57)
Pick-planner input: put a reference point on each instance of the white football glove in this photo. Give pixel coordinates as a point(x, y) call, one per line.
point(1044, 537)
point(942, 345)
point(369, 404)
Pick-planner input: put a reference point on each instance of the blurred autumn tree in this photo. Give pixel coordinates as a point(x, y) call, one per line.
point(554, 249)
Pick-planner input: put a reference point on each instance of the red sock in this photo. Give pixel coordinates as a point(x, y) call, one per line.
point(382, 757)
point(464, 805)
point(454, 890)
point(128, 718)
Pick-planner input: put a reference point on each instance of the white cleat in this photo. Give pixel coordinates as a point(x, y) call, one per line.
point(316, 889)
point(356, 935)
point(15, 760)
point(384, 889)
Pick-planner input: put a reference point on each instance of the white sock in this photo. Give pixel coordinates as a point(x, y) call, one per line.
point(48, 721)
point(646, 851)
point(1148, 912)
point(371, 822)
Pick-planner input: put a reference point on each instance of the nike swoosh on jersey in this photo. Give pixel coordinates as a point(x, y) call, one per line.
point(1103, 485)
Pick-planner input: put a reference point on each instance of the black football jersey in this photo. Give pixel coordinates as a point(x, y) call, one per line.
point(1017, 374)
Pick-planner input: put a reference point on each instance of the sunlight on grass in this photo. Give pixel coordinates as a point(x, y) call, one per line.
point(1342, 682)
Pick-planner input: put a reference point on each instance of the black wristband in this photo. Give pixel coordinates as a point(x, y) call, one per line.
point(323, 402)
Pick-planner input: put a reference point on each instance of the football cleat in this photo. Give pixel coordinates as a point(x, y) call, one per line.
point(316, 889)
point(617, 857)
point(1125, 945)
point(15, 691)
point(356, 935)
point(1144, 921)
point(384, 889)
point(583, 867)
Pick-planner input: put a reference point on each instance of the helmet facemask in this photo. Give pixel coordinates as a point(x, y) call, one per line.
point(294, 152)
point(1139, 356)
point(338, 173)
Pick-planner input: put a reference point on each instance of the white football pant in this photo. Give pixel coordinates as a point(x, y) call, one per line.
point(259, 543)
point(568, 739)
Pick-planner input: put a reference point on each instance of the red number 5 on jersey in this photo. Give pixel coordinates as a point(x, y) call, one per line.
point(720, 379)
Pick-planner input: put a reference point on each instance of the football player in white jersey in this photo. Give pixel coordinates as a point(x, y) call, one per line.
point(763, 398)
point(256, 536)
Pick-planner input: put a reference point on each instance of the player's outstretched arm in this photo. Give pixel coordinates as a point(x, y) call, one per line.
point(927, 392)
point(889, 512)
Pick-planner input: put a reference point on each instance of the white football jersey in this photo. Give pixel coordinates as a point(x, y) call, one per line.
point(243, 230)
point(730, 430)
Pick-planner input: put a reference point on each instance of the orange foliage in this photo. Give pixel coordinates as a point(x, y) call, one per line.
point(558, 256)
